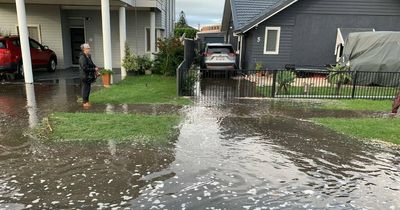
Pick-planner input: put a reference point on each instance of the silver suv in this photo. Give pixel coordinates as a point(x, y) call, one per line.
point(219, 57)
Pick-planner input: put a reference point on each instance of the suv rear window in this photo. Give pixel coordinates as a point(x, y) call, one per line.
point(16, 42)
point(2, 45)
point(220, 49)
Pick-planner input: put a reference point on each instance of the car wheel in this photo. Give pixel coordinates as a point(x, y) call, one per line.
point(52, 65)
point(20, 71)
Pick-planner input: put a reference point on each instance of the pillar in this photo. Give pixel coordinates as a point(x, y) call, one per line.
point(241, 51)
point(31, 105)
point(122, 37)
point(152, 33)
point(24, 40)
point(105, 17)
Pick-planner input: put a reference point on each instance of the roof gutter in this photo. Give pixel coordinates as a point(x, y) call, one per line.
point(273, 14)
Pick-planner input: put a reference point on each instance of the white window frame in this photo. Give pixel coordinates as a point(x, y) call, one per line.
point(278, 39)
point(32, 25)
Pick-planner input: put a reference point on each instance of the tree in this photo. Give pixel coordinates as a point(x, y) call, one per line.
point(182, 21)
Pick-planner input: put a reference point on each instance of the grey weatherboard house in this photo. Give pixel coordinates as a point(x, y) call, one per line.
point(64, 25)
point(301, 32)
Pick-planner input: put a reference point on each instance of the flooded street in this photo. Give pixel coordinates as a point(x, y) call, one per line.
point(230, 154)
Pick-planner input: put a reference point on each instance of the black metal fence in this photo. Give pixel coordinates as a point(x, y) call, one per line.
point(321, 84)
point(189, 56)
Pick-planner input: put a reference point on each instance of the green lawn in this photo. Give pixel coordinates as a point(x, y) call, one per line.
point(359, 105)
point(331, 91)
point(153, 89)
point(118, 127)
point(385, 129)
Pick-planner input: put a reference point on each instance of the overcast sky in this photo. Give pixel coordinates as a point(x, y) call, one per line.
point(201, 12)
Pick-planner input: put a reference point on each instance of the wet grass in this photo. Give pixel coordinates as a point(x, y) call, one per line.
point(153, 89)
point(358, 105)
point(331, 91)
point(384, 129)
point(118, 127)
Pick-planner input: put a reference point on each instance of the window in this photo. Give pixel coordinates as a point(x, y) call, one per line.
point(159, 34)
point(34, 32)
point(35, 45)
point(2, 45)
point(272, 39)
point(16, 42)
point(220, 49)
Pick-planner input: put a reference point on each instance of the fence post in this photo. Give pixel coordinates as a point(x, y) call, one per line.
point(353, 91)
point(177, 82)
point(273, 90)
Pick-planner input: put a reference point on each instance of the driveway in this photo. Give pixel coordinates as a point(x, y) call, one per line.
point(230, 154)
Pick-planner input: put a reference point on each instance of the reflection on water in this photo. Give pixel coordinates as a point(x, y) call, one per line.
point(230, 154)
point(239, 156)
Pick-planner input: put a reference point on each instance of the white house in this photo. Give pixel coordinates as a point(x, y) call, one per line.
point(106, 25)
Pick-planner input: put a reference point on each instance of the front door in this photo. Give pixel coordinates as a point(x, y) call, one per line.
point(77, 38)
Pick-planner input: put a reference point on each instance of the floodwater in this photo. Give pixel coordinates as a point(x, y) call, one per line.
point(230, 154)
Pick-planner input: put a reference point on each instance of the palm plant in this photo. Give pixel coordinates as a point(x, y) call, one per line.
point(338, 76)
point(285, 79)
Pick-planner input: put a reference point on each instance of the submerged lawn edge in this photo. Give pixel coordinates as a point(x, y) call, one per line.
point(100, 127)
point(381, 129)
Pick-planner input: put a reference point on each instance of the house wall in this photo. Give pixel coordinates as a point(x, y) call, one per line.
point(55, 31)
point(48, 17)
point(66, 39)
point(136, 22)
point(309, 27)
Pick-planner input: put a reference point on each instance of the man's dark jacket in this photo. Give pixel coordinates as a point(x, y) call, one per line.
point(87, 68)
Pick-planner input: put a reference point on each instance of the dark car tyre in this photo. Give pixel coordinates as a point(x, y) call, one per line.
point(52, 65)
point(20, 70)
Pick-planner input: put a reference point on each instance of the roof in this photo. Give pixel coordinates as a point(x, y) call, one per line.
point(247, 14)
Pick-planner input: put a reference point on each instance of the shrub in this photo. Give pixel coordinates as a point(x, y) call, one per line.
point(189, 32)
point(144, 63)
point(106, 71)
point(259, 66)
point(189, 82)
point(129, 62)
point(285, 79)
point(169, 57)
point(339, 75)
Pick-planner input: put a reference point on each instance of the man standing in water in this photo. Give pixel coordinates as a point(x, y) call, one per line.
point(88, 72)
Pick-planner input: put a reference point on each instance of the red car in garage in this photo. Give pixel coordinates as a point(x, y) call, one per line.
point(11, 58)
